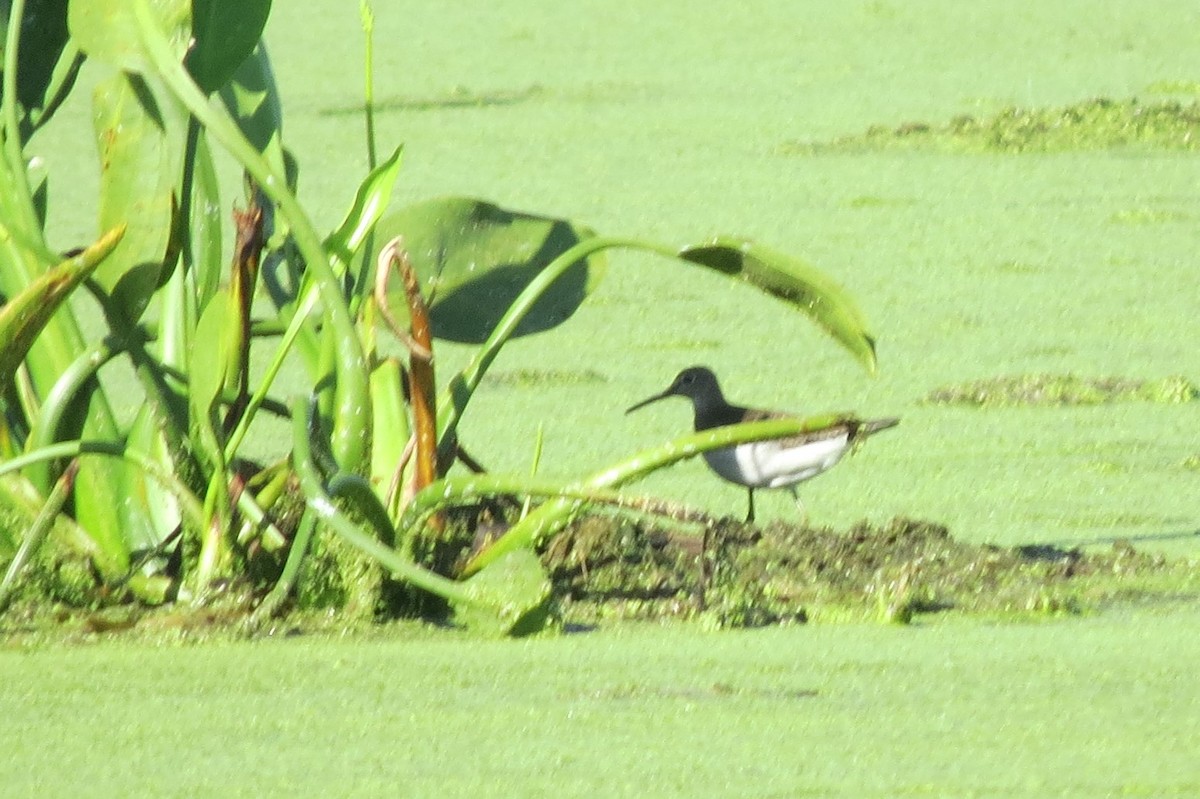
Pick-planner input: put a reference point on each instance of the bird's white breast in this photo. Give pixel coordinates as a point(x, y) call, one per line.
point(768, 464)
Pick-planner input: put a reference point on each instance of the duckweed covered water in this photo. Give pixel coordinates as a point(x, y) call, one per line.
point(1068, 251)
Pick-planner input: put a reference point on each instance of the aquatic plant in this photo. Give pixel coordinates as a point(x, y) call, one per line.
point(165, 506)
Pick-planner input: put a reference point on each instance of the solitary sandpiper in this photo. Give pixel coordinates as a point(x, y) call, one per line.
point(776, 463)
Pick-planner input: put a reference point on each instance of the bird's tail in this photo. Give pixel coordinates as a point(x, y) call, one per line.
point(863, 429)
point(876, 425)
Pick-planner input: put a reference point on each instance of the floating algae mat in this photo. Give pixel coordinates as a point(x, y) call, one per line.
point(738, 575)
point(1048, 389)
point(1097, 124)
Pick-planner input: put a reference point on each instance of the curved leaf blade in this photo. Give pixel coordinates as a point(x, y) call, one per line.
point(370, 201)
point(783, 276)
point(794, 281)
point(24, 316)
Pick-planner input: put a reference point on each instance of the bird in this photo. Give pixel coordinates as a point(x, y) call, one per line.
point(774, 463)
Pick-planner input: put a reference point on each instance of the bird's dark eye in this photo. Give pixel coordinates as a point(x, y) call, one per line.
point(688, 378)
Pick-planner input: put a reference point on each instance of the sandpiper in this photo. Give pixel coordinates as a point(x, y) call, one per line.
point(777, 463)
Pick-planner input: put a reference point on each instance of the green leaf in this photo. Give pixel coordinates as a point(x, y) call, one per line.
point(509, 597)
point(224, 34)
point(797, 283)
point(43, 39)
point(107, 30)
point(788, 278)
point(474, 258)
point(208, 258)
point(162, 506)
point(24, 316)
point(139, 144)
point(370, 201)
point(391, 428)
point(209, 369)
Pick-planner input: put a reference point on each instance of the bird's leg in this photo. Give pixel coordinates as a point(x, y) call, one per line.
point(799, 505)
point(750, 502)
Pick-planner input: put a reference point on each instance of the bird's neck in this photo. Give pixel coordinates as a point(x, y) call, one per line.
point(714, 411)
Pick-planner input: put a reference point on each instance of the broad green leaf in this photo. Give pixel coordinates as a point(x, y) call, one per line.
point(140, 141)
point(210, 370)
point(797, 283)
point(162, 505)
point(474, 258)
point(107, 30)
point(24, 316)
point(224, 33)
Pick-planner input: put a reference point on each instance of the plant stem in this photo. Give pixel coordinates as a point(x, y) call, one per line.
point(322, 505)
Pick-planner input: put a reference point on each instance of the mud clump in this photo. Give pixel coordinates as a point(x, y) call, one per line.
point(735, 575)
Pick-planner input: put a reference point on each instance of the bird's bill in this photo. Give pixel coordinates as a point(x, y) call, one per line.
point(648, 400)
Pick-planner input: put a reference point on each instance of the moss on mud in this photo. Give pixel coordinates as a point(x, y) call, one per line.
point(739, 575)
point(609, 567)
